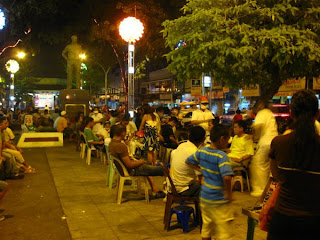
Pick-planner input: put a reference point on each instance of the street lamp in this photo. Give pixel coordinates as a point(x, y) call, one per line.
point(131, 30)
point(12, 67)
point(83, 57)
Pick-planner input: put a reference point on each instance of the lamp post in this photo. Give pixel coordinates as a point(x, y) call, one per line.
point(12, 67)
point(83, 57)
point(131, 30)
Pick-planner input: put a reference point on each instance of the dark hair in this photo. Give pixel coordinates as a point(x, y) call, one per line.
point(3, 118)
point(238, 111)
point(197, 134)
point(242, 124)
point(174, 119)
point(126, 117)
point(87, 120)
point(304, 109)
point(160, 109)
point(57, 110)
point(117, 130)
point(46, 110)
point(218, 131)
point(148, 110)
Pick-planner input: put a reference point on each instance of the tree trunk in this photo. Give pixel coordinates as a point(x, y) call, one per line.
point(269, 89)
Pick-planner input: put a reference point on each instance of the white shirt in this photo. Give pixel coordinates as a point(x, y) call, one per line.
point(55, 124)
point(200, 115)
point(268, 126)
point(131, 128)
point(98, 126)
point(182, 174)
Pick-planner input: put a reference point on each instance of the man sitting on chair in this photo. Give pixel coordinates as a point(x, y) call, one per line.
point(183, 176)
point(241, 148)
point(119, 149)
point(92, 139)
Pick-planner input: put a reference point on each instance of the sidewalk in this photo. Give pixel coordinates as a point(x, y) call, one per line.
point(89, 208)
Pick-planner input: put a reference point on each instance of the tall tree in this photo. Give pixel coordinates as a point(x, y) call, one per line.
point(244, 42)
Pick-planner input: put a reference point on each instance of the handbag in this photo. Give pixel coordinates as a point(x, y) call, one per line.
point(140, 134)
point(268, 209)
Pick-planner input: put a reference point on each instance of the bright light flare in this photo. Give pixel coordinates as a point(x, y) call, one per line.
point(12, 66)
point(82, 56)
point(21, 54)
point(131, 29)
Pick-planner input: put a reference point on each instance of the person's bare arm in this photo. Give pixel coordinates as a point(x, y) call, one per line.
point(197, 122)
point(132, 164)
point(227, 187)
point(274, 169)
point(244, 158)
point(94, 142)
point(9, 145)
point(143, 122)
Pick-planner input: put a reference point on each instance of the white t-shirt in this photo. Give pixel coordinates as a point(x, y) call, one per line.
point(98, 126)
point(55, 124)
point(131, 128)
point(200, 115)
point(182, 174)
point(268, 126)
point(241, 146)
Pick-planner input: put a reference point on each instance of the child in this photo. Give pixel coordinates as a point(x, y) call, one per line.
point(216, 192)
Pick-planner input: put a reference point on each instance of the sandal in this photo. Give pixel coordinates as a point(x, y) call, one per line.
point(30, 170)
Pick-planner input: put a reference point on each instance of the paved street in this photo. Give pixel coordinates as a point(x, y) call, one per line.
point(66, 199)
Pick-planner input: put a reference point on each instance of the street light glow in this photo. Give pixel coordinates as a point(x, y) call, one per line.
point(82, 56)
point(12, 66)
point(131, 29)
point(21, 54)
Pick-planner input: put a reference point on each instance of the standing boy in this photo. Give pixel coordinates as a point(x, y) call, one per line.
point(216, 192)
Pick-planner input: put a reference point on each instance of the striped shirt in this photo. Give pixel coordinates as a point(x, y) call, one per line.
point(215, 166)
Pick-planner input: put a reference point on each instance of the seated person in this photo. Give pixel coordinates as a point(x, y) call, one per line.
point(91, 138)
point(119, 149)
point(45, 114)
point(46, 126)
point(62, 126)
point(242, 145)
point(131, 130)
point(183, 176)
point(11, 170)
point(168, 135)
point(10, 148)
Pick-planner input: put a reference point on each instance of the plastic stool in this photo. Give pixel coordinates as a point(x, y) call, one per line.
point(237, 178)
point(183, 216)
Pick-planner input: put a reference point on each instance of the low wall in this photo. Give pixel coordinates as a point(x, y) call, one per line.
point(40, 139)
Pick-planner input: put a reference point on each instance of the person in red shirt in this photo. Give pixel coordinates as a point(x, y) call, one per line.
point(237, 116)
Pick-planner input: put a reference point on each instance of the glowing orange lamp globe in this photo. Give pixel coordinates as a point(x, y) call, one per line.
point(131, 29)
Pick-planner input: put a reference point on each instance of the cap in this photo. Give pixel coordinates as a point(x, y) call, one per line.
point(63, 113)
point(203, 99)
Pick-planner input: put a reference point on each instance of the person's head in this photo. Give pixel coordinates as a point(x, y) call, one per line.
point(197, 135)
point(36, 110)
point(63, 114)
point(160, 111)
point(238, 111)
point(74, 38)
point(107, 125)
point(125, 119)
point(96, 110)
point(118, 131)
point(46, 111)
point(239, 127)
point(56, 110)
point(89, 122)
point(260, 105)
point(173, 121)
point(219, 136)
point(3, 123)
point(203, 103)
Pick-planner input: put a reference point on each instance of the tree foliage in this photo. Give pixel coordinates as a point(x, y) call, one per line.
point(244, 42)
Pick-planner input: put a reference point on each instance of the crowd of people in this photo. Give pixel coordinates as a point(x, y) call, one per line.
point(202, 165)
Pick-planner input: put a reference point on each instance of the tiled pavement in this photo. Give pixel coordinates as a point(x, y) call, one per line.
point(92, 213)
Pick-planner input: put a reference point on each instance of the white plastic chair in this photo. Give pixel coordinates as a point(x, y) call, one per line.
point(124, 175)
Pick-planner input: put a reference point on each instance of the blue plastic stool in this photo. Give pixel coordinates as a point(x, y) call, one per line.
point(183, 216)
